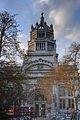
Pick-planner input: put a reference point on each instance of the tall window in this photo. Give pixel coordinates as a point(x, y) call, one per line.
point(62, 103)
point(70, 93)
point(70, 103)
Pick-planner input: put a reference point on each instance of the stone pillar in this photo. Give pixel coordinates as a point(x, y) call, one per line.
point(39, 46)
point(66, 100)
point(46, 46)
point(39, 109)
point(45, 109)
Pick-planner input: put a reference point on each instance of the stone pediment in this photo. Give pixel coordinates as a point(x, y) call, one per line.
point(39, 63)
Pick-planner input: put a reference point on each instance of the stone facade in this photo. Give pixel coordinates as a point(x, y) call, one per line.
point(62, 99)
point(40, 57)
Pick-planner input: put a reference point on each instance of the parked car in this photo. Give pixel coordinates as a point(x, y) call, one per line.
point(58, 117)
point(53, 117)
point(62, 117)
point(68, 118)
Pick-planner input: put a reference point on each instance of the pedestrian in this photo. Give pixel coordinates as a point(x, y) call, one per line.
point(48, 115)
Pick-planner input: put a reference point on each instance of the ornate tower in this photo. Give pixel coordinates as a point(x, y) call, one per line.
point(40, 58)
point(41, 55)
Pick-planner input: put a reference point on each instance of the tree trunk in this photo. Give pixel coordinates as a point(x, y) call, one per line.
point(2, 34)
point(75, 106)
point(0, 46)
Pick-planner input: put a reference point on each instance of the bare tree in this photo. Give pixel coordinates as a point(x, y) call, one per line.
point(9, 45)
point(65, 75)
point(73, 54)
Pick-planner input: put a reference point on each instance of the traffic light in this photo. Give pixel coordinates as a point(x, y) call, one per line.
point(41, 108)
point(29, 108)
point(11, 110)
point(69, 108)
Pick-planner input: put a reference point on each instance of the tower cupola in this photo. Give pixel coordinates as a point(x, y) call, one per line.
point(42, 37)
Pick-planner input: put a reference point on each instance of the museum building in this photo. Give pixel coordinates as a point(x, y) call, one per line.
point(40, 58)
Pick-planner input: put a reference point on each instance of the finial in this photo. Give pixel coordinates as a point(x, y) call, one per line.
point(31, 26)
point(36, 24)
point(45, 23)
point(51, 26)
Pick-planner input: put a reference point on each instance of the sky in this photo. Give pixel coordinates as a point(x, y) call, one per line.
point(63, 14)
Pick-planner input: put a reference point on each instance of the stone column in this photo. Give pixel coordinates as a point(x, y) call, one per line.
point(39, 109)
point(46, 46)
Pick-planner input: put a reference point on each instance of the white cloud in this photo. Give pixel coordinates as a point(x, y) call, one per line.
point(59, 18)
point(62, 14)
point(24, 40)
point(41, 2)
point(21, 46)
point(74, 34)
point(59, 13)
point(64, 43)
point(44, 1)
point(40, 5)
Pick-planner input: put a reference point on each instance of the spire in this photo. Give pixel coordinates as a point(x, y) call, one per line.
point(42, 14)
point(32, 27)
point(42, 19)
